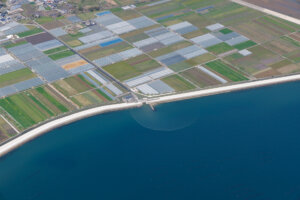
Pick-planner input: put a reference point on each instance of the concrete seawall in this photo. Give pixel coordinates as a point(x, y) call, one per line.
point(27, 136)
point(223, 89)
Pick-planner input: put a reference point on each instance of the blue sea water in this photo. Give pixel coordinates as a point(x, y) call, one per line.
point(237, 146)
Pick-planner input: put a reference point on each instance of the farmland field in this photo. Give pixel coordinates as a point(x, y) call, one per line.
point(52, 99)
point(81, 92)
point(199, 78)
point(258, 60)
point(21, 108)
point(225, 70)
point(122, 70)
point(16, 76)
point(15, 44)
point(30, 32)
point(55, 50)
point(163, 46)
point(6, 131)
point(90, 97)
point(178, 83)
point(61, 55)
point(220, 48)
point(245, 45)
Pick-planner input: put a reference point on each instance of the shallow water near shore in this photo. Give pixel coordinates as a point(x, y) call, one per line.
point(240, 145)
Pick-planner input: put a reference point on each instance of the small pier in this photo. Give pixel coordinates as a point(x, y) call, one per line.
point(152, 107)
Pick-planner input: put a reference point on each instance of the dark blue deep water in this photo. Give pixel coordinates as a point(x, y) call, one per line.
point(242, 145)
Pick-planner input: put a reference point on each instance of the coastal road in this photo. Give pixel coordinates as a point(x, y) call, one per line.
point(267, 11)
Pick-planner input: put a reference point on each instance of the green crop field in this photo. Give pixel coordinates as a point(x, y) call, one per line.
point(44, 19)
point(61, 55)
point(225, 70)
point(35, 100)
point(55, 50)
point(91, 97)
point(85, 81)
point(30, 32)
point(143, 63)
point(16, 112)
point(178, 83)
point(16, 76)
point(203, 58)
point(181, 66)
point(220, 48)
point(10, 45)
point(22, 109)
point(104, 95)
point(245, 45)
point(226, 31)
point(72, 86)
point(122, 71)
point(50, 98)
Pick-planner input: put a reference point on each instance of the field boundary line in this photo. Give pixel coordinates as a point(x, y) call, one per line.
point(15, 129)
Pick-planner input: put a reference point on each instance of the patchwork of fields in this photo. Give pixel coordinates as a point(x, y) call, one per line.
point(149, 49)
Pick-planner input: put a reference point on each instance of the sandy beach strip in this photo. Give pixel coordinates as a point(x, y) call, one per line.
point(27, 136)
point(267, 11)
point(222, 89)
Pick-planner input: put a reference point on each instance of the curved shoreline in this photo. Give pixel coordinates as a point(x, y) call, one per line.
point(30, 135)
point(36, 132)
point(223, 89)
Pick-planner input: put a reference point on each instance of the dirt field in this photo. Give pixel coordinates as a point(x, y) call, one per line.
point(36, 39)
point(267, 73)
point(199, 78)
point(112, 2)
point(74, 64)
point(296, 36)
point(288, 7)
point(52, 25)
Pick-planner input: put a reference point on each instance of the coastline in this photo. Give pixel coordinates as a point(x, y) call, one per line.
point(268, 11)
point(36, 132)
point(222, 89)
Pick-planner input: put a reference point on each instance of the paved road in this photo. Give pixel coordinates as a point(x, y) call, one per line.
point(270, 12)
